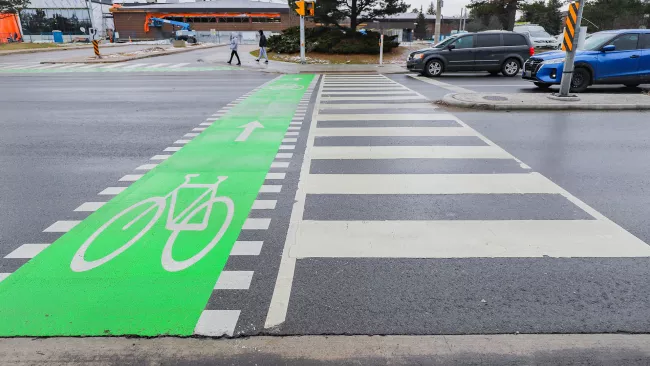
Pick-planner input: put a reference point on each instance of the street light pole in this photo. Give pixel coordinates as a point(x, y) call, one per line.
point(437, 29)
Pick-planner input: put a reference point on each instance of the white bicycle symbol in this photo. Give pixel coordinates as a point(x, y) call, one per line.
point(286, 87)
point(175, 224)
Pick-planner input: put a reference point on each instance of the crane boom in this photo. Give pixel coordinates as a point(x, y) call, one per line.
point(157, 22)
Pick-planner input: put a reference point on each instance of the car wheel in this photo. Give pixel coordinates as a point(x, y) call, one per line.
point(542, 85)
point(631, 85)
point(433, 68)
point(510, 68)
point(580, 80)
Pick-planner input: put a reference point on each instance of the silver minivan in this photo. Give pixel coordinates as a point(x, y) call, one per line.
point(538, 35)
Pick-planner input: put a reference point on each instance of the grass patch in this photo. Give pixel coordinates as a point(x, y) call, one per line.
point(397, 56)
point(25, 46)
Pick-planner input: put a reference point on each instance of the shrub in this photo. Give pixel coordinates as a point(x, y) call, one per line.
point(330, 40)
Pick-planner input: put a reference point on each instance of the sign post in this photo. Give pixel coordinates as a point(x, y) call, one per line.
point(381, 49)
point(302, 7)
point(302, 40)
point(570, 44)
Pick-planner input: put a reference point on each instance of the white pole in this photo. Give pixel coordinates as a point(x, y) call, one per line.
point(302, 40)
point(381, 48)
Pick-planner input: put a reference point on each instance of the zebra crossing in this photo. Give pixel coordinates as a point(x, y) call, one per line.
point(392, 184)
point(109, 67)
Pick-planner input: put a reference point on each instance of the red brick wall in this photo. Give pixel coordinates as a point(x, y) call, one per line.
point(131, 24)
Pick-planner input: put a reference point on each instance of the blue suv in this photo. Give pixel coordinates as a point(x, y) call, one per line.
point(610, 57)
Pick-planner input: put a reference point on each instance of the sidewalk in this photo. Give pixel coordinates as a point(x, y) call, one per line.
point(524, 349)
point(155, 51)
point(71, 46)
point(248, 62)
point(544, 101)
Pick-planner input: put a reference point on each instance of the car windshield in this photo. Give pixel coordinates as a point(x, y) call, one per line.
point(540, 34)
point(596, 40)
point(445, 43)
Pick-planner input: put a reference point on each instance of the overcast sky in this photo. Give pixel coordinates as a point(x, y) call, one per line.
point(450, 7)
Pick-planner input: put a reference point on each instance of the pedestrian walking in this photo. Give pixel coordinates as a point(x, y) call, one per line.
point(263, 48)
point(234, 42)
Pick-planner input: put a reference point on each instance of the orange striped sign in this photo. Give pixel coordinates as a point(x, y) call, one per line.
point(96, 48)
point(570, 27)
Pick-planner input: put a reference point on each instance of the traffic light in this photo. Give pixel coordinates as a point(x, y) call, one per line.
point(300, 7)
point(311, 6)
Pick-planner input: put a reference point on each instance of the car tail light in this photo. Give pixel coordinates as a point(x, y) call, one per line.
point(531, 51)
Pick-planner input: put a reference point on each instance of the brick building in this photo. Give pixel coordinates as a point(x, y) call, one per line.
point(404, 24)
point(223, 16)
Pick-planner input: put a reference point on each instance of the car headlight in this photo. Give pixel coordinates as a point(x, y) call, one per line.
point(418, 56)
point(554, 61)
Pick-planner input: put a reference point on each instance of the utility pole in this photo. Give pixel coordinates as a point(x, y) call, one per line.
point(303, 8)
point(437, 29)
point(570, 44)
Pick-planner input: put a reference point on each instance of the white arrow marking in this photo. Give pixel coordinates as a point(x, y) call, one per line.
point(248, 130)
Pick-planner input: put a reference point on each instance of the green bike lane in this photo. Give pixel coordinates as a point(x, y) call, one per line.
point(133, 292)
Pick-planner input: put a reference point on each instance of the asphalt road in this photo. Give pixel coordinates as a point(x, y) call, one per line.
point(483, 82)
point(394, 217)
point(66, 137)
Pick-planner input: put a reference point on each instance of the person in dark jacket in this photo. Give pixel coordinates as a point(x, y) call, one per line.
point(263, 48)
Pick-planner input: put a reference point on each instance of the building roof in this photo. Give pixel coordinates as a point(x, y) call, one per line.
point(403, 17)
point(210, 6)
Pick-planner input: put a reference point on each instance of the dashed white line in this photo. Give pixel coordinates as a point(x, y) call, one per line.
point(62, 226)
point(268, 188)
point(247, 248)
point(160, 157)
point(275, 175)
point(256, 224)
point(264, 204)
point(89, 206)
point(234, 280)
point(111, 191)
point(215, 323)
point(146, 167)
point(26, 251)
point(131, 177)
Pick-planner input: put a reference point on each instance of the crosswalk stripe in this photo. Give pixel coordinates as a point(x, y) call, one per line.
point(369, 92)
point(155, 66)
point(374, 98)
point(116, 65)
point(71, 66)
point(129, 67)
point(91, 66)
point(383, 117)
point(327, 108)
point(427, 183)
point(389, 131)
point(406, 152)
point(463, 239)
point(179, 65)
point(45, 67)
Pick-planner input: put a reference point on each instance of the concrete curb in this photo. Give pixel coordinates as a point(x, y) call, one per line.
point(452, 101)
point(106, 61)
point(295, 69)
point(53, 49)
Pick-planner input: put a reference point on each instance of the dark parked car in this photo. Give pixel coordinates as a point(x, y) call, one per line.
point(493, 51)
point(609, 57)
